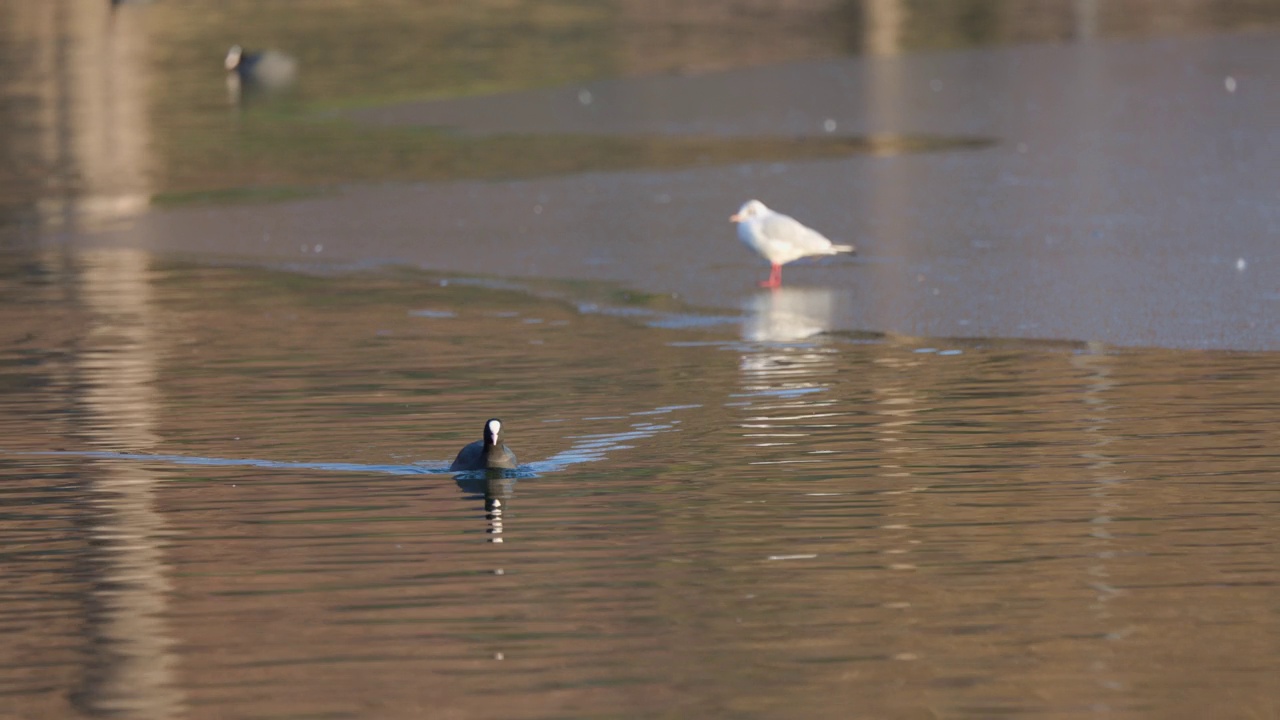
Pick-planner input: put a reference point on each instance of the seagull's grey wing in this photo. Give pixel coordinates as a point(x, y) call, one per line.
point(784, 228)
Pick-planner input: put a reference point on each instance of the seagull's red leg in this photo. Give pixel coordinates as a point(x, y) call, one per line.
point(775, 277)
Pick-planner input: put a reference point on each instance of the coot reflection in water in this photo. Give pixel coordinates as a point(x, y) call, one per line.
point(770, 519)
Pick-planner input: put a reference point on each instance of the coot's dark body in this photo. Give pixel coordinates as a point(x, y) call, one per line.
point(487, 453)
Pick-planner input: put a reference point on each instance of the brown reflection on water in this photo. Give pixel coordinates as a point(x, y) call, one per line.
point(1014, 489)
point(799, 523)
point(1096, 369)
point(130, 665)
point(75, 106)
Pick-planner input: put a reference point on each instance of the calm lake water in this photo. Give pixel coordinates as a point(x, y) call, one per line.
point(224, 496)
point(244, 330)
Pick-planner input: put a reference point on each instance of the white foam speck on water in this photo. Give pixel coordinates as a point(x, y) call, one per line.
point(441, 314)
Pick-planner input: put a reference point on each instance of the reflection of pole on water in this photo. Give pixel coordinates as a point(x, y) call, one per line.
point(87, 75)
point(84, 72)
point(897, 402)
point(884, 23)
point(131, 666)
point(890, 197)
point(1086, 20)
point(1097, 412)
point(91, 92)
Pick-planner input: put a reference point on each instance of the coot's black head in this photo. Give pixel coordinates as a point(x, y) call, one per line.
point(492, 432)
point(234, 56)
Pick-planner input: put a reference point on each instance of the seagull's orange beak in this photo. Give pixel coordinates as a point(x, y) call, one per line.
point(735, 218)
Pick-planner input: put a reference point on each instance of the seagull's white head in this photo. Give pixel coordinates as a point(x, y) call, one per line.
point(233, 57)
point(750, 209)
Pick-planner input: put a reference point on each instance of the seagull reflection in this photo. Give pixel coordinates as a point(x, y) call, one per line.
point(786, 368)
point(789, 314)
point(496, 487)
point(787, 323)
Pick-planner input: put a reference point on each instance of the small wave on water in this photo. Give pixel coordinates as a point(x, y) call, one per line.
point(587, 448)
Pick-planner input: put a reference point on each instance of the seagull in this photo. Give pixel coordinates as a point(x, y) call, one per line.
point(486, 454)
point(780, 238)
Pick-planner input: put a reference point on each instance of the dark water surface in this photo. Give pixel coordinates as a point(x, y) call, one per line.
point(718, 515)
